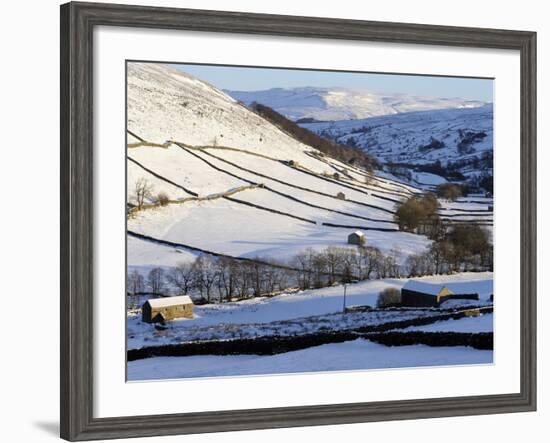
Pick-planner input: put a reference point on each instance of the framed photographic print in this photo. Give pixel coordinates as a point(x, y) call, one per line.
point(273, 221)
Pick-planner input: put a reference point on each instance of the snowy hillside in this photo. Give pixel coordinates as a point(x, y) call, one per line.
point(238, 185)
point(220, 197)
point(166, 104)
point(329, 104)
point(418, 137)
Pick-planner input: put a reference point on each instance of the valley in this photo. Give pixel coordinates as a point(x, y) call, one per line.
point(215, 189)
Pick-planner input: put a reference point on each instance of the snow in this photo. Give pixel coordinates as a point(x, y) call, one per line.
point(277, 170)
point(425, 178)
point(223, 319)
point(343, 103)
point(265, 198)
point(144, 255)
point(359, 354)
point(167, 104)
point(482, 323)
point(217, 226)
point(184, 169)
point(406, 137)
point(164, 302)
point(183, 332)
point(159, 186)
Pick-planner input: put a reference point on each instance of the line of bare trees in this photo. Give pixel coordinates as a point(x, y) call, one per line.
point(219, 279)
point(213, 279)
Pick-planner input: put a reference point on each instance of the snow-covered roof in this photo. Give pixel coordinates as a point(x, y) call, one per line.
point(164, 302)
point(425, 288)
point(359, 233)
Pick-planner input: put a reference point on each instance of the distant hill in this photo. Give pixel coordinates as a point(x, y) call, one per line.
point(461, 136)
point(327, 104)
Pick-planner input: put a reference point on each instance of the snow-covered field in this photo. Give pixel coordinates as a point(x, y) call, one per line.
point(425, 178)
point(217, 225)
point(274, 315)
point(240, 186)
point(483, 323)
point(354, 355)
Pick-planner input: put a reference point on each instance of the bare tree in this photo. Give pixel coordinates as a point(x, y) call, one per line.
point(156, 280)
point(135, 282)
point(334, 260)
point(205, 275)
point(283, 278)
point(304, 262)
point(243, 278)
point(257, 271)
point(182, 277)
point(319, 268)
point(389, 267)
point(368, 261)
point(142, 190)
point(227, 277)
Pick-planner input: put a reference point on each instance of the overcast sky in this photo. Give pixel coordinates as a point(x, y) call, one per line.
point(254, 79)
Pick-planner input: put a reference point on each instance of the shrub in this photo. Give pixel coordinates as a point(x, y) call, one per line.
point(389, 297)
point(449, 191)
point(417, 214)
point(434, 144)
point(471, 238)
point(162, 199)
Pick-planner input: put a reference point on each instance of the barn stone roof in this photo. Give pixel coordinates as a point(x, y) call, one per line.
point(165, 302)
point(424, 288)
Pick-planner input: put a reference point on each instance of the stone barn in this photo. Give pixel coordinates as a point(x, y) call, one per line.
point(159, 310)
point(357, 238)
point(420, 294)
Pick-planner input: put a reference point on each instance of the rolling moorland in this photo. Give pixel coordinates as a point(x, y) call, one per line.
point(425, 140)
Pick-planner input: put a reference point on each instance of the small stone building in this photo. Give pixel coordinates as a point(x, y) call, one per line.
point(357, 238)
point(420, 294)
point(159, 310)
point(341, 196)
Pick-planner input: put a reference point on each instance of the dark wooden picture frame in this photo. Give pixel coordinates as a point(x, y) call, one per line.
point(77, 214)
